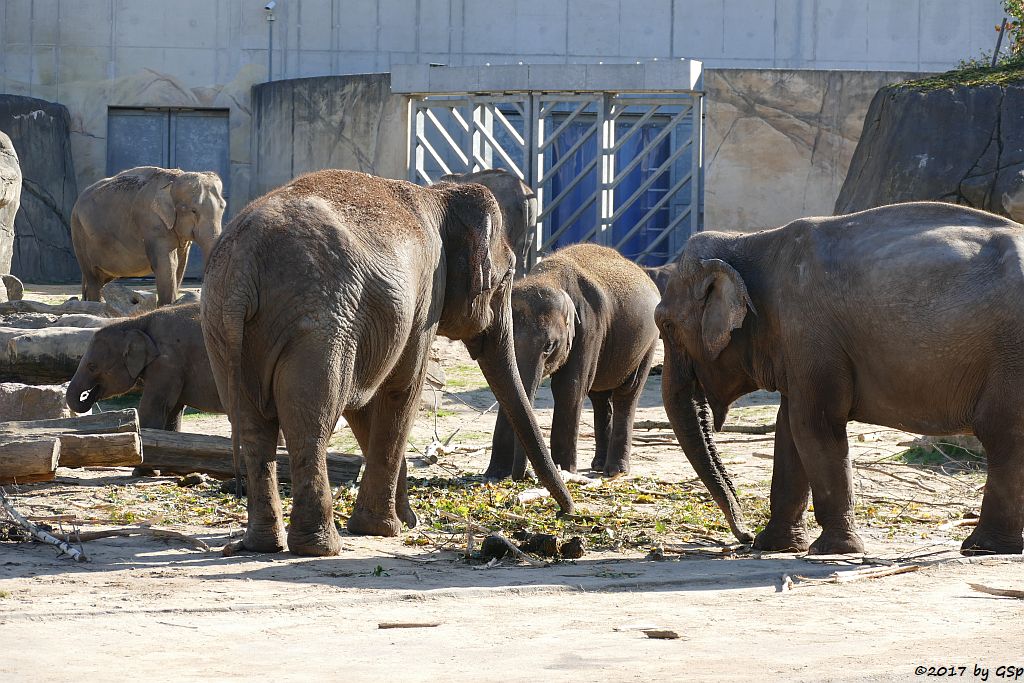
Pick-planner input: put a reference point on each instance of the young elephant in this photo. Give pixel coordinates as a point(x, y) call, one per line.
point(165, 349)
point(585, 316)
point(141, 221)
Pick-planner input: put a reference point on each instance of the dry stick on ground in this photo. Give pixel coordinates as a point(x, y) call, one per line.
point(1001, 592)
point(857, 575)
point(75, 553)
point(897, 477)
point(143, 531)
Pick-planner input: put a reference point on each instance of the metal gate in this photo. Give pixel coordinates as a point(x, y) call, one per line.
point(618, 168)
point(192, 140)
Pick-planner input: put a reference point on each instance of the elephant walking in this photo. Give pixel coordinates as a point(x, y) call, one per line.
point(321, 300)
point(584, 316)
point(142, 221)
point(908, 316)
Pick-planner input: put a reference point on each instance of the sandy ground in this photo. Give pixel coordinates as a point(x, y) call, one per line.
point(153, 609)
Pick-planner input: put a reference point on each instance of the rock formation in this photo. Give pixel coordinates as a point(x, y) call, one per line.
point(10, 199)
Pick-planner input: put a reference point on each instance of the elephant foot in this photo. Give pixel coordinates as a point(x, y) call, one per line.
point(408, 517)
point(984, 542)
point(597, 464)
point(145, 472)
point(320, 543)
point(615, 468)
point(837, 542)
point(782, 538)
point(362, 523)
point(497, 473)
point(258, 542)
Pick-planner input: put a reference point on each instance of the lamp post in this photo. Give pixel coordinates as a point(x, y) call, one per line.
point(269, 9)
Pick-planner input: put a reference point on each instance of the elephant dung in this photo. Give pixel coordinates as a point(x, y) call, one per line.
point(27, 402)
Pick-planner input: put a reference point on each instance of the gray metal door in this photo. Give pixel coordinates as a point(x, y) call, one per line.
point(192, 140)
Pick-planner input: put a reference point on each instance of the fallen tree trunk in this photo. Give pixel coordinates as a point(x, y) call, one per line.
point(73, 306)
point(100, 450)
point(27, 460)
point(127, 301)
point(185, 452)
point(46, 356)
point(110, 422)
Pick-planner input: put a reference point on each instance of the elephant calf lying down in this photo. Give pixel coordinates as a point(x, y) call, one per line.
point(163, 348)
point(585, 316)
point(908, 316)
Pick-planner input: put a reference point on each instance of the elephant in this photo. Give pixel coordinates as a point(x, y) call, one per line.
point(163, 348)
point(584, 316)
point(321, 300)
point(1013, 204)
point(661, 275)
point(907, 316)
point(142, 221)
point(10, 200)
point(518, 204)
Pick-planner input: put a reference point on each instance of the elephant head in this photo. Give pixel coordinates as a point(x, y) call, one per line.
point(111, 366)
point(704, 302)
point(479, 265)
point(192, 205)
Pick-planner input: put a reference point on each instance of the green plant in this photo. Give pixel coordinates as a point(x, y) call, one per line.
point(1015, 27)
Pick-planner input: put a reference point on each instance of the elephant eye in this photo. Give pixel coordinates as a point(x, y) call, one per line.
point(549, 347)
point(92, 367)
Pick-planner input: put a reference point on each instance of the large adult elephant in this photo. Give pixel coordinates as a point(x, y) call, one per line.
point(142, 221)
point(321, 300)
point(518, 207)
point(908, 316)
point(10, 200)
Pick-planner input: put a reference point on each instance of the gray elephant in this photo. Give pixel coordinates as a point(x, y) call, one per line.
point(661, 275)
point(10, 199)
point(163, 348)
point(584, 316)
point(518, 207)
point(142, 221)
point(908, 316)
point(321, 300)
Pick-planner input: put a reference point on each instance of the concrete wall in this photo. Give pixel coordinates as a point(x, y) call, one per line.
point(307, 124)
point(779, 142)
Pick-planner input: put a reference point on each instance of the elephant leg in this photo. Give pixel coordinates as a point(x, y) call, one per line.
point(382, 504)
point(308, 405)
point(1002, 506)
point(602, 427)
point(359, 422)
point(92, 285)
point(265, 531)
point(165, 266)
point(179, 272)
point(624, 402)
point(786, 530)
point(819, 433)
point(503, 445)
point(568, 393)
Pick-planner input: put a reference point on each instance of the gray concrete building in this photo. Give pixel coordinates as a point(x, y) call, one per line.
point(173, 81)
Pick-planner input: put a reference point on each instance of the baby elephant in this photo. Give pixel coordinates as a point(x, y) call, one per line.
point(165, 349)
point(585, 316)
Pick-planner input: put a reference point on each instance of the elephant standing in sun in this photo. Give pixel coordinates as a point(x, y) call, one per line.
point(10, 200)
point(321, 300)
point(584, 316)
point(143, 221)
point(909, 316)
point(518, 205)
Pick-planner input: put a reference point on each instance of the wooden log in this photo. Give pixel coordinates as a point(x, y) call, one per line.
point(185, 452)
point(47, 356)
point(100, 450)
point(127, 301)
point(71, 306)
point(110, 422)
point(27, 460)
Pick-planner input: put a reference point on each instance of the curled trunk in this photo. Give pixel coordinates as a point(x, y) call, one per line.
point(692, 421)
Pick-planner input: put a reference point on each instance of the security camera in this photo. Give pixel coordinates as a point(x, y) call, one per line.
point(270, 5)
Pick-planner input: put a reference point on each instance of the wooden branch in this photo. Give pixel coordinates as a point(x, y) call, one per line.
point(45, 356)
point(28, 460)
point(186, 452)
point(39, 534)
point(190, 541)
point(732, 428)
point(1001, 592)
point(100, 450)
point(73, 306)
point(110, 422)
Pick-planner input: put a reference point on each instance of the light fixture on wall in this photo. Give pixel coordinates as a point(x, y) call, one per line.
point(269, 9)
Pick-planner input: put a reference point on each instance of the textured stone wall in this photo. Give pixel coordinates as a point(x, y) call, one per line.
point(307, 124)
point(779, 142)
point(40, 133)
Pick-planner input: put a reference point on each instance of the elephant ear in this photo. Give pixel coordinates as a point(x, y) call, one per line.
point(163, 204)
point(479, 221)
point(139, 351)
point(725, 304)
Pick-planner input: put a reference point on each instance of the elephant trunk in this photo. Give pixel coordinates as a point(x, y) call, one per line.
point(531, 373)
point(691, 419)
point(83, 392)
point(497, 361)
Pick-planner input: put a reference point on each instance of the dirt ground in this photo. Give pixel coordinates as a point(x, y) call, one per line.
point(155, 608)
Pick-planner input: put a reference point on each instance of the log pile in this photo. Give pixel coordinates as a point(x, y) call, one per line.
point(31, 450)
